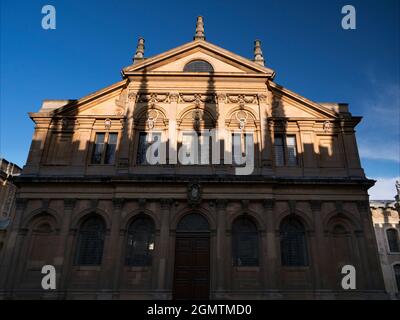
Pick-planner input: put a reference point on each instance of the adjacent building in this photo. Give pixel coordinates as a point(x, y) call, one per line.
point(8, 170)
point(385, 216)
point(255, 193)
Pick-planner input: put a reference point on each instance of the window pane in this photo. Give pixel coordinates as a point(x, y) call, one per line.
point(140, 244)
point(293, 244)
point(190, 143)
point(198, 66)
point(98, 148)
point(279, 151)
point(245, 243)
point(90, 242)
point(393, 240)
point(111, 148)
point(237, 158)
point(291, 150)
point(204, 148)
point(142, 147)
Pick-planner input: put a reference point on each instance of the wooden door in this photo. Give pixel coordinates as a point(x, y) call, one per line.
point(192, 266)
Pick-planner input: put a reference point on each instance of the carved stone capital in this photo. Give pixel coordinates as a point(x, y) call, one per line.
point(142, 204)
point(93, 204)
point(69, 204)
point(21, 203)
point(221, 97)
point(262, 98)
point(292, 206)
point(173, 97)
point(245, 204)
point(315, 205)
point(221, 204)
point(269, 204)
point(363, 206)
point(339, 206)
point(132, 97)
point(118, 203)
point(45, 204)
point(166, 203)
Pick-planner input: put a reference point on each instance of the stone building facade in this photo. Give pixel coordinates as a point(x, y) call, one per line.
point(385, 216)
point(8, 190)
point(115, 226)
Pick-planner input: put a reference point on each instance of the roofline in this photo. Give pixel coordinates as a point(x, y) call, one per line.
point(198, 42)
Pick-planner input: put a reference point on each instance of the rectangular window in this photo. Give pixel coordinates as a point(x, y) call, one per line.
point(279, 151)
point(111, 148)
point(146, 140)
point(104, 149)
point(285, 150)
point(291, 151)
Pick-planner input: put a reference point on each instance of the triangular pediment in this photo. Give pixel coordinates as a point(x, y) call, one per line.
point(223, 61)
point(105, 102)
point(287, 104)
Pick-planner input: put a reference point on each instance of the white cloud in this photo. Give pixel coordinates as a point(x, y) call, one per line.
point(381, 151)
point(379, 133)
point(384, 189)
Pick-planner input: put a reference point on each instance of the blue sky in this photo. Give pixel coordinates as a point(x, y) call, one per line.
point(302, 41)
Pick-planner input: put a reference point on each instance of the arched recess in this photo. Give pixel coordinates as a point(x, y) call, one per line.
point(245, 242)
point(298, 214)
point(203, 212)
point(254, 216)
point(150, 118)
point(150, 129)
point(243, 114)
point(196, 117)
point(132, 215)
point(140, 241)
point(347, 217)
point(343, 247)
point(38, 213)
point(78, 218)
point(90, 241)
point(41, 241)
point(294, 243)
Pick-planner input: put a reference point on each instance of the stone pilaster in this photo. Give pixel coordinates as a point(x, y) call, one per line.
point(218, 156)
point(172, 128)
point(320, 268)
point(221, 243)
point(112, 252)
point(13, 246)
point(164, 245)
point(265, 143)
point(62, 259)
point(368, 246)
point(270, 246)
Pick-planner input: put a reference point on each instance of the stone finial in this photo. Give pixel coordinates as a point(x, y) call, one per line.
point(139, 54)
point(199, 29)
point(258, 55)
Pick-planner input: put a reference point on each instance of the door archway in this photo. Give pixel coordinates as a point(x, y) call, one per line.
point(192, 258)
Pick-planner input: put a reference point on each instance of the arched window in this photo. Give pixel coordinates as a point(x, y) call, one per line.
point(396, 269)
point(293, 243)
point(140, 244)
point(198, 66)
point(245, 242)
point(90, 242)
point(393, 240)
